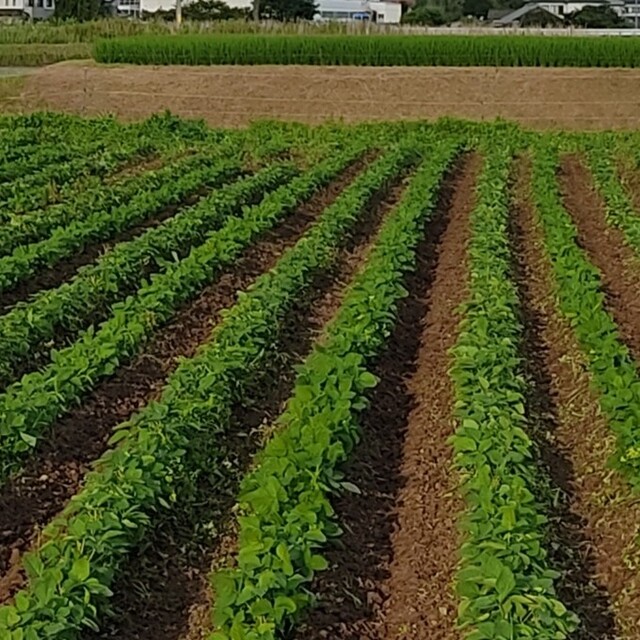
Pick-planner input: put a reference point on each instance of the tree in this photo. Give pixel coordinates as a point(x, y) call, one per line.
point(477, 8)
point(597, 17)
point(81, 10)
point(424, 15)
point(434, 12)
point(286, 10)
point(207, 10)
point(211, 10)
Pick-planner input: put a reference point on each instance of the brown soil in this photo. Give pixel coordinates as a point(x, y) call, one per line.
point(30, 499)
point(596, 518)
point(237, 95)
point(391, 571)
point(63, 270)
point(606, 247)
point(165, 591)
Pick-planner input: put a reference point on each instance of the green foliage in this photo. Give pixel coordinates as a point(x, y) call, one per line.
point(80, 10)
point(91, 294)
point(373, 50)
point(161, 451)
point(424, 14)
point(160, 191)
point(286, 513)
point(286, 10)
point(204, 10)
point(582, 301)
point(477, 8)
point(505, 583)
point(619, 210)
point(597, 17)
point(30, 406)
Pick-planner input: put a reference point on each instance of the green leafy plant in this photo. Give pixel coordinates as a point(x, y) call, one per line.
point(153, 461)
point(286, 515)
point(582, 300)
point(30, 406)
point(505, 583)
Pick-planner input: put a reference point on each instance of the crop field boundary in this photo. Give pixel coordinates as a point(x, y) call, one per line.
point(235, 96)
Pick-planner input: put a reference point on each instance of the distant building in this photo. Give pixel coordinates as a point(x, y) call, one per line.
point(328, 10)
point(552, 12)
point(26, 9)
point(359, 10)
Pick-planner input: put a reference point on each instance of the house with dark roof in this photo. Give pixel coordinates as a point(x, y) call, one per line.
point(549, 12)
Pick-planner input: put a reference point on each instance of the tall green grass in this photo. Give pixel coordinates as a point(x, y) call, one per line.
point(372, 50)
point(52, 32)
point(36, 55)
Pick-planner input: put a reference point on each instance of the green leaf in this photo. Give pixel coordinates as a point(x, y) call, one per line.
point(81, 569)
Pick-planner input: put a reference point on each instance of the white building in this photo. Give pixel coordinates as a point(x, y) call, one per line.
point(349, 10)
point(566, 8)
point(20, 9)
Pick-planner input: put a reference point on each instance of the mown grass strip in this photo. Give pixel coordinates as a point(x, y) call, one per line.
point(370, 50)
point(582, 301)
point(286, 512)
point(28, 407)
point(96, 287)
point(504, 582)
point(162, 449)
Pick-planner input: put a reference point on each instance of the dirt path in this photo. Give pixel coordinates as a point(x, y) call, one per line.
point(596, 518)
point(390, 576)
point(618, 264)
point(237, 95)
point(165, 593)
point(29, 500)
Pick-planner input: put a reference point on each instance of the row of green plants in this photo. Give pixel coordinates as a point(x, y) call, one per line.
point(20, 227)
point(505, 582)
point(620, 213)
point(159, 453)
point(31, 210)
point(170, 185)
point(57, 174)
point(42, 154)
point(582, 300)
point(59, 183)
point(32, 405)
point(88, 297)
point(371, 50)
point(21, 134)
point(285, 511)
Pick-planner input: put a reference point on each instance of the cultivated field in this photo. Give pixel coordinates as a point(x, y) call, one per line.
point(340, 382)
point(576, 99)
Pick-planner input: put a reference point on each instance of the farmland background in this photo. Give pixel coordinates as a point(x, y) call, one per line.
point(308, 357)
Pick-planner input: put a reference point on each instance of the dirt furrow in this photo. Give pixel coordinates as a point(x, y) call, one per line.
point(594, 517)
point(605, 245)
point(165, 594)
point(54, 276)
point(54, 474)
point(390, 574)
